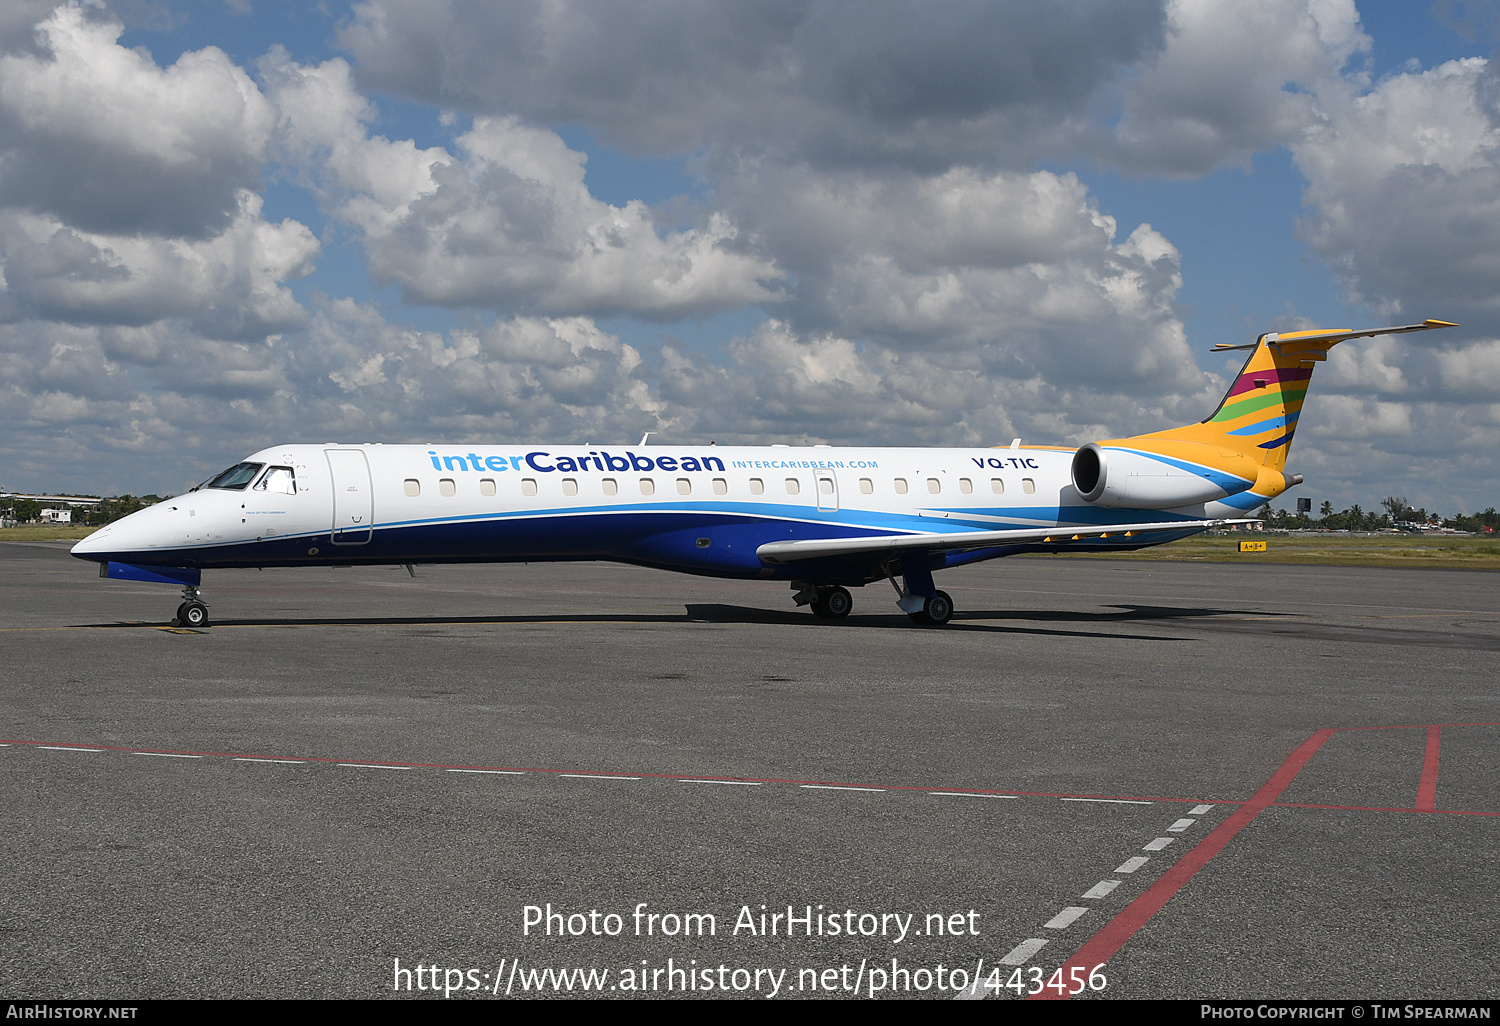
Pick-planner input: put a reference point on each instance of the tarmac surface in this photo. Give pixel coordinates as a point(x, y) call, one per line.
point(1287, 775)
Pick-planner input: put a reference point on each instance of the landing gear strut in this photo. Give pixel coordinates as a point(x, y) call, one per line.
point(194, 611)
point(919, 600)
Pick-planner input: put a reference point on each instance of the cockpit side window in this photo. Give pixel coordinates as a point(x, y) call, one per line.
point(278, 479)
point(236, 477)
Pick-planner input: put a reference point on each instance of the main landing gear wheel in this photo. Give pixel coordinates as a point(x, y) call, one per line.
point(832, 603)
point(192, 614)
point(936, 610)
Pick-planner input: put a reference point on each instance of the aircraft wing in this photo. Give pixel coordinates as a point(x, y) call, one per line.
point(817, 548)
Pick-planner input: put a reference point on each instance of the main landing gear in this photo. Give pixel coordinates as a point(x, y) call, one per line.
point(919, 599)
point(827, 602)
point(194, 611)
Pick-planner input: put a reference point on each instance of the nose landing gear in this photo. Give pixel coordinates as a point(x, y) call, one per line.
point(194, 611)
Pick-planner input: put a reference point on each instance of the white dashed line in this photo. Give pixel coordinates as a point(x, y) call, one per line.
point(1198, 810)
point(370, 765)
point(1022, 952)
point(1101, 889)
point(1180, 826)
point(509, 773)
point(972, 794)
point(1131, 865)
point(65, 748)
point(839, 787)
point(1110, 801)
point(1067, 917)
point(168, 755)
point(596, 776)
point(741, 783)
point(1159, 844)
point(287, 762)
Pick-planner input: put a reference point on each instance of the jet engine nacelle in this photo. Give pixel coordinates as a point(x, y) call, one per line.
point(1130, 479)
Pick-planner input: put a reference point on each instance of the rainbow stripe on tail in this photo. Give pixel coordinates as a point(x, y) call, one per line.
point(1251, 432)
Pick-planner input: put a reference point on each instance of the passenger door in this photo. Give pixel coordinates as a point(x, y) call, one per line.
point(353, 496)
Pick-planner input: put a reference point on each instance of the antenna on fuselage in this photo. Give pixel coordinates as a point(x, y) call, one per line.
point(647, 435)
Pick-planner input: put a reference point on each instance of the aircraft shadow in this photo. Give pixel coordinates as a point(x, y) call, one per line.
point(967, 620)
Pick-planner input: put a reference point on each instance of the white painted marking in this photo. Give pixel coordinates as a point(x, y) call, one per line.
point(288, 762)
point(371, 765)
point(596, 776)
point(1131, 865)
point(168, 755)
point(1198, 810)
point(1159, 844)
point(741, 783)
point(1067, 917)
point(972, 794)
point(1180, 826)
point(1101, 889)
point(840, 787)
point(65, 748)
point(512, 773)
point(1022, 952)
point(1109, 801)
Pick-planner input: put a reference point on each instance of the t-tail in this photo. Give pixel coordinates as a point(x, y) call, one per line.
point(1235, 460)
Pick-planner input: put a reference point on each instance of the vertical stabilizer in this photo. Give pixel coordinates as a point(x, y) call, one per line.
point(1258, 415)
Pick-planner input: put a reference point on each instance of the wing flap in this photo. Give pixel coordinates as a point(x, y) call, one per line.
point(819, 548)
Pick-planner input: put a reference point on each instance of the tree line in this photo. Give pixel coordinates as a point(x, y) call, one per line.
point(1397, 513)
point(106, 511)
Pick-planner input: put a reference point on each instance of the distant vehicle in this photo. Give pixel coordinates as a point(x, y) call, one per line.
point(824, 518)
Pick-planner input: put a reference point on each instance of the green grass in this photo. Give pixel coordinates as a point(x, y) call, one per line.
point(46, 532)
point(1334, 549)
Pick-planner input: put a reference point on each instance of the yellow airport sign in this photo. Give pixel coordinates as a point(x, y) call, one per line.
point(1255, 546)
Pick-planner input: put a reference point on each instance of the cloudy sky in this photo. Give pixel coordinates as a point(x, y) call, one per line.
point(224, 226)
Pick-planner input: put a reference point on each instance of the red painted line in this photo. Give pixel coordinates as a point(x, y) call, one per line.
point(1427, 786)
point(1102, 946)
point(636, 773)
point(1377, 808)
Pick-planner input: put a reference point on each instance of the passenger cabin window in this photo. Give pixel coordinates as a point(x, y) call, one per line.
point(966, 486)
point(486, 486)
point(528, 486)
point(1028, 485)
point(934, 485)
point(611, 487)
point(721, 486)
point(900, 486)
point(825, 485)
point(570, 486)
point(684, 486)
point(997, 486)
point(280, 480)
point(757, 486)
point(648, 486)
point(412, 486)
point(446, 486)
point(867, 486)
point(236, 477)
point(793, 486)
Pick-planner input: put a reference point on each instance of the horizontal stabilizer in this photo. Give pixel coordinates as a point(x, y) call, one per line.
point(1318, 336)
point(819, 548)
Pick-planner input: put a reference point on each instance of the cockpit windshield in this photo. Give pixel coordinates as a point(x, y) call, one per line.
point(236, 477)
point(278, 479)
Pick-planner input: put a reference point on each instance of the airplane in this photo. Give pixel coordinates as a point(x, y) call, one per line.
point(824, 518)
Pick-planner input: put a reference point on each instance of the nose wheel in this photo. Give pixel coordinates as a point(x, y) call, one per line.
point(194, 611)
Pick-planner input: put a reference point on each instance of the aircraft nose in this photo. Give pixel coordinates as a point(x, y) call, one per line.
point(141, 530)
